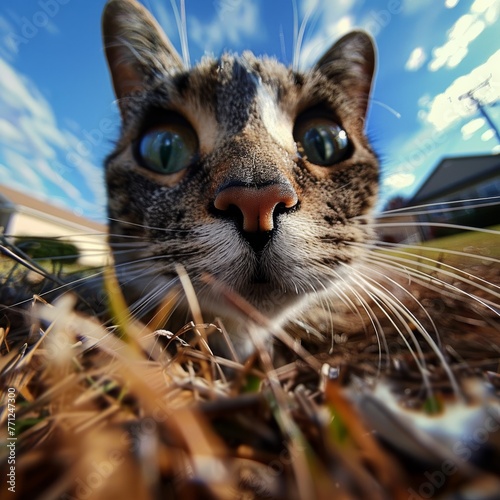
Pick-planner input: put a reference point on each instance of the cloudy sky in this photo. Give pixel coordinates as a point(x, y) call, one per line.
point(58, 117)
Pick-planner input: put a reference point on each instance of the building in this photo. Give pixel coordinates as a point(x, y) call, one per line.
point(23, 215)
point(460, 191)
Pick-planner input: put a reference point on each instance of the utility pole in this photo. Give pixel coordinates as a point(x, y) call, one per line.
point(480, 105)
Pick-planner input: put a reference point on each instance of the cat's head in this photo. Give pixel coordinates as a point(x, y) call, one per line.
point(239, 167)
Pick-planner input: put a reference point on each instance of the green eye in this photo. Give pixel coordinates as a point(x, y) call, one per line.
point(167, 149)
point(323, 143)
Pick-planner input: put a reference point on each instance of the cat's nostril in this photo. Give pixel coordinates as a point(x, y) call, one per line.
point(257, 205)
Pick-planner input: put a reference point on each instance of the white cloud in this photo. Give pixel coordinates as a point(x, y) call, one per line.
point(452, 105)
point(235, 19)
point(465, 30)
point(490, 9)
point(471, 127)
point(37, 170)
point(29, 114)
point(25, 174)
point(416, 59)
point(32, 142)
point(9, 133)
point(93, 176)
point(399, 180)
point(15, 89)
point(487, 135)
point(43, 167)
point(450, 4)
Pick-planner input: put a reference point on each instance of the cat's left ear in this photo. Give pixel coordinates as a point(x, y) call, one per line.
point(351, 63)
point(137, 50)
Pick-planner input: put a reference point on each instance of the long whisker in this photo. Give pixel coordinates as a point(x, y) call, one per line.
point(385, 106)
point(377, 327)
point(149, 300)
point(404, 315)
point(436, 224)
point(295, 57)
point(426, 248)
point(423, 279)
point(327, 306)
point(300, 37)
point(70, 285)
point(384, 276)
point(390, 311)
point(454, 273)
point(414, 210)
point(437, 265)
point(180, 21)
point(127, 236)
point(144, 226)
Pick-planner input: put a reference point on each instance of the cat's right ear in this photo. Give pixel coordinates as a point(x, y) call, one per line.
point(137, 50)
point(351, 62)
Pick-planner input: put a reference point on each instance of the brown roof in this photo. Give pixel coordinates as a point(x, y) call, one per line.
point(454, 173)
point(37, 205)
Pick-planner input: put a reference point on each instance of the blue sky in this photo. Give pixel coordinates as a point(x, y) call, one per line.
point(58, 117)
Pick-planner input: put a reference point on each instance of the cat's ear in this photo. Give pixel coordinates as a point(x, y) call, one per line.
point(351, 62)
point(137, 50)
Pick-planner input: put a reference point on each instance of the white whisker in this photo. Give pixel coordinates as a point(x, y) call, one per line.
point(300, 37)
point(295, 56)
point(143, 226)
point(151, 299)
point(426, 248)
point(489, 201)
point(377, 327)
point(423, 279)
point(436, 224)
point(441, 268)
point(384, 298)
point(184, 37)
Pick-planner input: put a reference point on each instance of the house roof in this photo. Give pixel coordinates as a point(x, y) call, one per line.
point(5, 203)
point(21, 201)
point(456, 172)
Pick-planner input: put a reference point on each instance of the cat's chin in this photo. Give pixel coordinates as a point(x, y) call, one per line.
point(258, 298)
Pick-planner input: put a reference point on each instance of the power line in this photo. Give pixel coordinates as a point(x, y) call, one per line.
point(480, 105)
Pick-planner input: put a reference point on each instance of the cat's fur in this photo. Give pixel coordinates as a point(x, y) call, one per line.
point(243, 110)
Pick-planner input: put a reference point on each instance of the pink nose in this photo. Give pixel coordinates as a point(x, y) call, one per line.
point(256, 204)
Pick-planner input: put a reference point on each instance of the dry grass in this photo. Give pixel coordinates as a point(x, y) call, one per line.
point(110, 412)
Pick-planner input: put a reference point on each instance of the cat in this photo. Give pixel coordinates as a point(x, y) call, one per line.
point(257, 182)
point(241, 169)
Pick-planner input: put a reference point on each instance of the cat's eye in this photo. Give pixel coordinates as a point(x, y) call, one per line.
point(167, 149)
point(322, 141)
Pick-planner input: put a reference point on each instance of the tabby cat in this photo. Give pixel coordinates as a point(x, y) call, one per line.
point(240, 169)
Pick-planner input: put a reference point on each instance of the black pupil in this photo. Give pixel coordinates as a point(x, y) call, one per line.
point(167, 149)
point(314, 137)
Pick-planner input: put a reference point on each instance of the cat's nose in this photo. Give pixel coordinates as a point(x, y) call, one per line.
point(258, 205)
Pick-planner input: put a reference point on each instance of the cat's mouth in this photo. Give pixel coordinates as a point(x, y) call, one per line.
point(258, 241)
point(260, 277)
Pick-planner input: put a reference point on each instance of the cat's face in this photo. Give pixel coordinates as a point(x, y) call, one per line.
point(239, 168)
